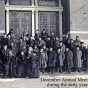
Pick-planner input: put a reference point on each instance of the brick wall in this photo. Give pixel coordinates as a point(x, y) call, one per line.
point(2, 16)
point(78, 23)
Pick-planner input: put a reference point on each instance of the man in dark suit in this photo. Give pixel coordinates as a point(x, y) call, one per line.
point(10, 40)
point(60, 60)
point(5, 53)
point(44, 35)
point(35, 65)
point(51, 59)
point(22, 68)
point(4, 40)
point(83, 49)
point(12, 64)
point(37, 35)
point(66, 40)
point(21, 44)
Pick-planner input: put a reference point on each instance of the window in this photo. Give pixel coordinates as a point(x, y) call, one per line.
point(20, 2)
point(48, 2)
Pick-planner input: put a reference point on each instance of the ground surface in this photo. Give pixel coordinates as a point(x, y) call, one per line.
point(36, 83)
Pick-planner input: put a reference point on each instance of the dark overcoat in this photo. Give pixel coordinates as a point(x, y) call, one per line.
point(72, 47)
point(5, 54)
point(42, 60)
point(83, 49)
point(12, 64)
point(44, 36)
point(10, 40)
point(86, 58)
point(35, 65)
point(51, 58)
point(4, 41)
point(69, 59)
point(60, 59)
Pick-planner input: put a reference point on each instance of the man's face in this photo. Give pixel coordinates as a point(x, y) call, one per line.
point(22, 53)
point(37, 31)
point(5, 35)
point(29, 52)
point(67, 49)
point(66, 36)
point(5, 47)
point(21, 40)
point(31, 38)
point(52, 33)
point(25, 30)
point(71, 41)
point(57, 38)
point(61, 43)
point(34, 54)
point(40, 39)
point(58, 50)
point(51, 49)
point(77, 48)
point(44, 31)
point(44, 47)
point(48, 38)
point(41, 50)
point(11, 44)
point(10, 52)
point(8, 36)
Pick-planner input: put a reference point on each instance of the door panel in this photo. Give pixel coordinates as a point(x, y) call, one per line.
point(26, 22)
point(15, 22)
point(49, 21)
point(20, 21)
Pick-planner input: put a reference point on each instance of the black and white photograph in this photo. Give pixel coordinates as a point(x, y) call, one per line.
point(43, 43)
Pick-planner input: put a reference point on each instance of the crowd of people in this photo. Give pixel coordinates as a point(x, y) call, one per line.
point(29, 56)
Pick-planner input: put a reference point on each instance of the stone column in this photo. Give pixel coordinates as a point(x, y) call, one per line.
point(60, 24)
point(7, 21)
point(36, 19)
point(36, 2)
point(32, 2)
point(7, 3)
point(33, 24)
point(60, 3)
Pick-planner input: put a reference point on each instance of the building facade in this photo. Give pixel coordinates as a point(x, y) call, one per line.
point(31, 15)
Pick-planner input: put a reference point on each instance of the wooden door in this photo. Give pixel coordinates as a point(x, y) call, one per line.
point(49, 21)
point(19, 21)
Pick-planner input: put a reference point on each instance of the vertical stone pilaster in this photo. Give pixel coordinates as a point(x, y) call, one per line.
point(33, 24)
point(7, 21)
point(60, 24)
point(36, 20)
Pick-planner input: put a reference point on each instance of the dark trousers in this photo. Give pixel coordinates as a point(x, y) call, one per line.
point(42, 70)
point(59, 69)
point(51, 69)
point(78, 69)
point(6, 70)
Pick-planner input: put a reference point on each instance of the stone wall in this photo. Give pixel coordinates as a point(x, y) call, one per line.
point(79, 23)
point(2, 16)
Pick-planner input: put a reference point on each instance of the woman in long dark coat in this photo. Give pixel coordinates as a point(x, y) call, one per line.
point(59, 60)
point(77, 59)
point(68, 60)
